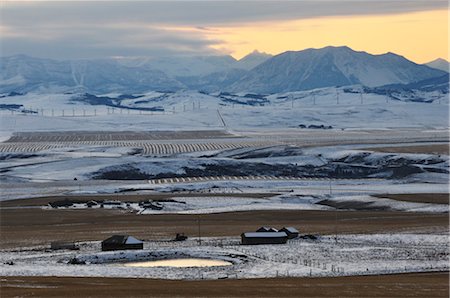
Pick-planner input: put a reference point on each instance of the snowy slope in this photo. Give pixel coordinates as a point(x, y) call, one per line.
point(336, 107)
point(252, 60)
point(440, 64)
point(257, 72)
point(22, 73)
point(331, 66)
point(181, 66)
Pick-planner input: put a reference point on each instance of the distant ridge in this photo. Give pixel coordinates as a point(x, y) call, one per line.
point(440, 64)
point(256, 72)
point(331, 66)
point(253, 59)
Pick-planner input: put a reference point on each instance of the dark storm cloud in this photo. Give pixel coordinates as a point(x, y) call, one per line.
point(73, 29)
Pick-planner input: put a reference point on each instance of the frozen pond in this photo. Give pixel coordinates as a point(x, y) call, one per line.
point(352, 254)
point(181, 263)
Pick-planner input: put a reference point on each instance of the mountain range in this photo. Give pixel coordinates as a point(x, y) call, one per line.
point(256, 72)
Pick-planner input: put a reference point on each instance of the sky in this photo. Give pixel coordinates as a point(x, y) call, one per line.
point(416, 29)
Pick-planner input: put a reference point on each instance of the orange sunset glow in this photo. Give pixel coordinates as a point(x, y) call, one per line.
point(419, 36)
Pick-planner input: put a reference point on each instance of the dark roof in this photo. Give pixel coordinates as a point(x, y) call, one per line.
point(290, 229)
point(266, 229)
point(116, 239)
point(265, 234)
point(122, 239)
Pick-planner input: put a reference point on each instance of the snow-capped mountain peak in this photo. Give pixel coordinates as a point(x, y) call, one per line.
point(252, 60)
point(331, 66)
point(256, 72)
point(440, 64)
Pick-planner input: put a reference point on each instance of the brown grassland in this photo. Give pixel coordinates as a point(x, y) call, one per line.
point(23, 226)
point(396, 285)
point(30, 226)
point(434, 198)
point(425, 149)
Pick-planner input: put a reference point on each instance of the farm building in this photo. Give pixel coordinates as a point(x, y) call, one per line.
point(290, 231)
point(63, 245)
point(91, 204)
point(253, 238)
point(121, 242)
point(266, 229)
point(111, 204)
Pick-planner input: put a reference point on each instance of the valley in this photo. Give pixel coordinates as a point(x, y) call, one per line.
point(361, 170)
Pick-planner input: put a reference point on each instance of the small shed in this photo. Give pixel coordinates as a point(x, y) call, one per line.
point(91, 204)
point(254, 238)
point(290, 231)
point(111, 204)
point(55, 245)
point(121, 242)
point(266, 229)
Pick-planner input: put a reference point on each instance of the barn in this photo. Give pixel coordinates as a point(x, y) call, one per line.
point(290, 231)
point(266, 229)
point(121, 242)
point(254, 238)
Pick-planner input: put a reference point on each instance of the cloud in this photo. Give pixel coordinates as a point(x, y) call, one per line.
point(73, 29)
point(84, 42)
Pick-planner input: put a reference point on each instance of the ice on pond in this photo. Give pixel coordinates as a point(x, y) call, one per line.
point(181, 263)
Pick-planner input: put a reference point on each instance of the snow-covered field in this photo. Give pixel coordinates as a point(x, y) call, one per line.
point(306, 171)
point(326, 256)
point(292, 201)
point(194, 110)
point(305, 148)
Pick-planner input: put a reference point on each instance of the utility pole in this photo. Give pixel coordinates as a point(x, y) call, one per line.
point(331, 191)
point(337, 97)
point(199, 234)
point(335, 226)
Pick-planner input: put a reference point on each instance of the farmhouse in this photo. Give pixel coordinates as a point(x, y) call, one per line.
point(290, 231)
point(121, 242)
point(253, 238)
point(266, 229)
